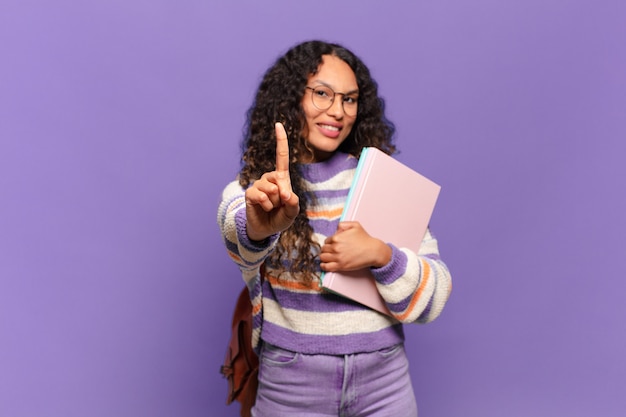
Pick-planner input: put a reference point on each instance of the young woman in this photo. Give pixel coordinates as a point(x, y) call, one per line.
point(322, 354)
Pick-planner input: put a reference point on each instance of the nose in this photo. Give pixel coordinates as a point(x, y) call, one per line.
point(336, 108)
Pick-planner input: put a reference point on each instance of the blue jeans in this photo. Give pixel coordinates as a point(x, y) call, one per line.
point(373, 384)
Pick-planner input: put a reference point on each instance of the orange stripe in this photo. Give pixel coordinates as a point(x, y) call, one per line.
point(235, 257)
point(330, 214)
point(293, 285)
point(418, 293)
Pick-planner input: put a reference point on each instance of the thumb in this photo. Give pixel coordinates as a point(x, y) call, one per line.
point(343, 226)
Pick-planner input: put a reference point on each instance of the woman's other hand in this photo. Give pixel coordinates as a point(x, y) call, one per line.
point(352, 248)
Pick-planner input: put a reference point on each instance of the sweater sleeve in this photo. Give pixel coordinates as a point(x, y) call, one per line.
point(231, 218)
point(415, 287)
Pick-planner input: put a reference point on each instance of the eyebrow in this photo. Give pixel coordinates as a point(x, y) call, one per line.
point(356, 91)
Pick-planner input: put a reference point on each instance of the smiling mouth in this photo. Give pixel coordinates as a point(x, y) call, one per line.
point(329, 127)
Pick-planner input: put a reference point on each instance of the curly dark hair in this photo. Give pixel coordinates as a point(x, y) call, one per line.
point(279, 99)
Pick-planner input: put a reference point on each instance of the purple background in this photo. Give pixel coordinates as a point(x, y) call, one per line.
point(120, 123)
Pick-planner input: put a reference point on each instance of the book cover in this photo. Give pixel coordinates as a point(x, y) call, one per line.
point(393, 203)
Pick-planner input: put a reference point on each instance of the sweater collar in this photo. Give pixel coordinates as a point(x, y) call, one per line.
point(320, 171)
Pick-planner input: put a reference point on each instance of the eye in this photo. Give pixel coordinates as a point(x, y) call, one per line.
point(350, 99)
point(322, 93)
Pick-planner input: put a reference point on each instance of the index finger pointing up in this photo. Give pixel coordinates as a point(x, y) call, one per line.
point(282, 148)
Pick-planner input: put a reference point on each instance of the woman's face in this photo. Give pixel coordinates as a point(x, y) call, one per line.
point(327, 129)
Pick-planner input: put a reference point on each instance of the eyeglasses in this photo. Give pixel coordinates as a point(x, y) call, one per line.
point(323, 97)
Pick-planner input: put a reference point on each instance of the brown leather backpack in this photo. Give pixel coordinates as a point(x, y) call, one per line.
point(241, 364)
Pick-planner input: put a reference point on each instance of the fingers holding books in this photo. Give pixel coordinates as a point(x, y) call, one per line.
point(352, 248)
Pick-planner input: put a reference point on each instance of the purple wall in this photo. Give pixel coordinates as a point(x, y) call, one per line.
point(120, 124)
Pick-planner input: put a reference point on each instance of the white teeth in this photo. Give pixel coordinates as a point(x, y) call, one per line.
point(328, 127)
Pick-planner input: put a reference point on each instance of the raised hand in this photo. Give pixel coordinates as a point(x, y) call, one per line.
point(352, 248)
point(271, 205)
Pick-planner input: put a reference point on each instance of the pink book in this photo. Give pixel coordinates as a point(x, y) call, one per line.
point(393, 203)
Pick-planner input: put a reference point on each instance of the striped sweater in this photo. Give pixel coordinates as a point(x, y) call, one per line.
point(302, 317)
